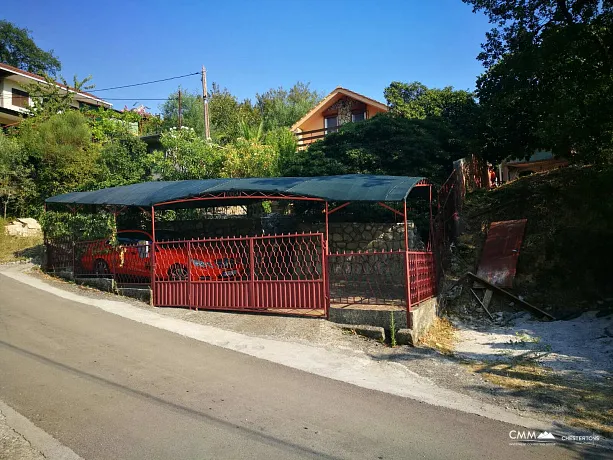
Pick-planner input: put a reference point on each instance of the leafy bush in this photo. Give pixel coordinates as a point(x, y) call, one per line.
point(385, 144)
point(81, 226)
point(187, 156)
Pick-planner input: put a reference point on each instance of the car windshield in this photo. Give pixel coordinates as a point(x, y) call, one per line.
point(131, 237)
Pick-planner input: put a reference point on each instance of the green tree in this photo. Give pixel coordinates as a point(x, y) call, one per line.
point(60, 151)
point(108, 124)
point(249, 158)
point(49, 98)
point(456, 108)
point(548, 78)
point(123, 160)
point(416, 100)
point(192, 111)
point(285, 145)
point(187, 155)
point(17, 48)
point(282, 108)
point(229, 117)
point(384, 144)
point(15, 183)
point(225, 114)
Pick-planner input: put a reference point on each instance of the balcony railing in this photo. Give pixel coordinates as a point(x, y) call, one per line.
point(305, 138)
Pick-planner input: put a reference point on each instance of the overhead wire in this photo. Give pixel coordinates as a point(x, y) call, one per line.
point(144, 83)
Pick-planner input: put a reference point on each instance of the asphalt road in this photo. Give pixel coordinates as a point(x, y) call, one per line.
point(111, 388)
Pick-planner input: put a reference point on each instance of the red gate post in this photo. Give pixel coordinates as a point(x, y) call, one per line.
point(252, 273)
point(324, 274)
point(189, 275)
point(153, 256)
point(431, 238)
point(406, 265)
point(115, 247)
point(325, 268)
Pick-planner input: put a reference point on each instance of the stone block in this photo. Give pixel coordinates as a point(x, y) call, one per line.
point(422, 317)
point(103, 284)
point(405, 337)
point(136, 293)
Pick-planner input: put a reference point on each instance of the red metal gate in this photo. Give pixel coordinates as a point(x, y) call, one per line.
point(272, 272)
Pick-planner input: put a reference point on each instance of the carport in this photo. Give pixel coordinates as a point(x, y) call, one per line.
point(278, 272)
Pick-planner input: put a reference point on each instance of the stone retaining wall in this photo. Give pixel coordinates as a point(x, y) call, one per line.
point(354, 236)
point(344, 236)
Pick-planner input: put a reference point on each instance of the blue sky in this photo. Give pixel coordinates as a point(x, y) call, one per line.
point(250, 46)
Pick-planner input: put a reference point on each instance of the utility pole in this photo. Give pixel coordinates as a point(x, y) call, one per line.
point(205, 102)
point(179, 108)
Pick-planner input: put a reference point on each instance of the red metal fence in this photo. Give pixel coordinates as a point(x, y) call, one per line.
point(270, 272)
point(380, 277)
point(374, 278)
point(422, 276)
point(244, 273)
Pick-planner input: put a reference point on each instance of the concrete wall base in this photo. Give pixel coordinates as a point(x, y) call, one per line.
point(104, 284)
point(143, 294)
point(422, 316)
point(375, 317)
point(372, 332)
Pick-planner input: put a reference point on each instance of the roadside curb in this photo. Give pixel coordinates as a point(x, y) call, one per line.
point(39, 440)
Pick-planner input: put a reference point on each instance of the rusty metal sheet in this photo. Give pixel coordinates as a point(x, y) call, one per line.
point(501, 251)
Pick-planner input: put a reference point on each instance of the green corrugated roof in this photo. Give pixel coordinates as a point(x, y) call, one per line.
point(351, 187)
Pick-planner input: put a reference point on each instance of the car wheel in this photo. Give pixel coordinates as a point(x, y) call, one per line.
point(177, 272)
point(101, 267)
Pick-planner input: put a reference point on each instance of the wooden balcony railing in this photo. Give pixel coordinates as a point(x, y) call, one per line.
point(305, 138)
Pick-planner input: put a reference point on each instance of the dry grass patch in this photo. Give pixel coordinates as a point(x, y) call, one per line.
point(17, 248)
point(440, 336)
point(586, 403)
point(13, 248)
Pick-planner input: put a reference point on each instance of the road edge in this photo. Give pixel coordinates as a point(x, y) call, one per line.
point(39, 439)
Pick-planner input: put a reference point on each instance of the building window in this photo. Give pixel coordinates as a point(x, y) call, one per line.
point(20, 98)
point(331, 124)
point(358, 116)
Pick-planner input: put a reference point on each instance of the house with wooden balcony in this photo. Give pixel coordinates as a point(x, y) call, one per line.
point(337, 108)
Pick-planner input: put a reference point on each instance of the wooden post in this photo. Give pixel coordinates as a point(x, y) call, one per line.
point(205, 102)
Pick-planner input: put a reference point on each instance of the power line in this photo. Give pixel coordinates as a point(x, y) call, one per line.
point(144, 83)
point(137, 98)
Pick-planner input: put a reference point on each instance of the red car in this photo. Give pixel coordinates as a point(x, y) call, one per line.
point(130, 257)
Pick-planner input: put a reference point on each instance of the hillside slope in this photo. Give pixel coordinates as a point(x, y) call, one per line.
point(566, 260)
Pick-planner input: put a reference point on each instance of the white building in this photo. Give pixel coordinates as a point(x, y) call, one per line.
point(14, 99)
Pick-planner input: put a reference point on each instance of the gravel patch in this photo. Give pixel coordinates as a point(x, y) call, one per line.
point(583, 345)
point(14, 446)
